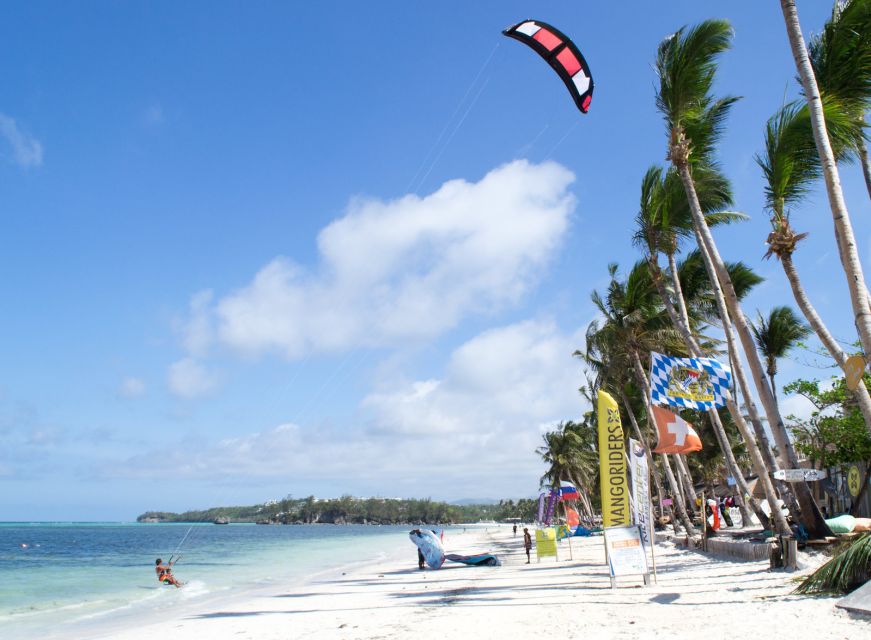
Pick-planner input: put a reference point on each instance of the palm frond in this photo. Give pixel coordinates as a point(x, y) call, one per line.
point(849, 569)
point(686, 64)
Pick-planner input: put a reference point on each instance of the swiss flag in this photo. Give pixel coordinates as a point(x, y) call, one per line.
point(676, 435)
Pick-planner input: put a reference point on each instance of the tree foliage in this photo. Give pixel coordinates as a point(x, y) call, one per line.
point(835, 433)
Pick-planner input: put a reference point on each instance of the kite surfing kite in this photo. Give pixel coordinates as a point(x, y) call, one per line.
point(561, 54)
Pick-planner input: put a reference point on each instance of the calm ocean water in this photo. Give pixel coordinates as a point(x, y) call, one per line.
point(53, 575)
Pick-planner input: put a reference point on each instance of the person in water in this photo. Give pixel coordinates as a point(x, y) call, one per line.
point(527, 543)
point(164, 573)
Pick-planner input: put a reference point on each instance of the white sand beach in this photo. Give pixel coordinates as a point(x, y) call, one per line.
point(694, 596)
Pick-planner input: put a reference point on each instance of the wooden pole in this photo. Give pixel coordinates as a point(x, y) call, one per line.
point(652, 530)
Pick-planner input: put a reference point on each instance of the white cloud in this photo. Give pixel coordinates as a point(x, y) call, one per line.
point(132, 388)
point(472, 432)
point(523, 374)
point(188, 378)
point(197, 331)
point(26, 150)
point(406, 269)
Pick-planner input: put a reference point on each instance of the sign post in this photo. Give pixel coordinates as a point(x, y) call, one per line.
point(626, 555)
point(799, 475)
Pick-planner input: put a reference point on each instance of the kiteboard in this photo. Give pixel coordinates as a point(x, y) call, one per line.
point(430, 546)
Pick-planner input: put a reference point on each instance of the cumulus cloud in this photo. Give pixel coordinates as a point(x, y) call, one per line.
point(407, 269)
point(196, 330)
point(131, 388)
point(475, 429)
point(520, 374)
point(26, 150)
point(189, 378)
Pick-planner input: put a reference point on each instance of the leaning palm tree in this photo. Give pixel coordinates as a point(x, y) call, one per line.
point(777, 335)
point(662, 221)
point(699, 290)
point(634, 324)
point(790, 164)
point(841, 59)
point(844, 236)
point(686, 65)
point(610, 373)
point(570, 458)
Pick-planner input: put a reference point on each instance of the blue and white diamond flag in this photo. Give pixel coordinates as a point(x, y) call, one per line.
point(689, 383)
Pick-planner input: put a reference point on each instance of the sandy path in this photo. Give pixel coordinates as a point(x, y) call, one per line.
point(695, 596)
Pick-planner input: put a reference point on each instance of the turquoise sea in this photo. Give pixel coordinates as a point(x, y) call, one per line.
point(63, 576)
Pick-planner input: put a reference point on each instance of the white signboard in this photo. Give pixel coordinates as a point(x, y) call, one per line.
point(626, 555)
point(799, 475)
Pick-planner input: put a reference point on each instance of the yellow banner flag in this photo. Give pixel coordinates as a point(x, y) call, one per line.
point(612, 464)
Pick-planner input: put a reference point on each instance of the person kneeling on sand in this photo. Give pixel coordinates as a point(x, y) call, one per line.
point(164, 573)
point(527, 543)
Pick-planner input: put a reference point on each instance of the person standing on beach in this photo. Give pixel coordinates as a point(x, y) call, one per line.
point(527, 543)
point(515, 530)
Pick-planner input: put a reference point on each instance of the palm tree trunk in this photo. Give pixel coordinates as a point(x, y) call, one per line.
point(682, 324)
point(727, 301)
point(738, 474)
point(648, 452)
point(686, 479)
point(841, 217)
point(695, 350)
point(829, 342)
point(678, 292)
point(582, 492)
point(866, 166)
point(679, 502)
point(675, 489)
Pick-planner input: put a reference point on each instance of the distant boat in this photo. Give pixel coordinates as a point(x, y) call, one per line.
point(222, 520)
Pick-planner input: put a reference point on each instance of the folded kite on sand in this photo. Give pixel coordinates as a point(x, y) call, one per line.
point(479, 560)
point(430, 546)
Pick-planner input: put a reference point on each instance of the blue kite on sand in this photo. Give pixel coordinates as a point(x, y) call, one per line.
point(434, 554)
point(479, 560)
point(430, 546)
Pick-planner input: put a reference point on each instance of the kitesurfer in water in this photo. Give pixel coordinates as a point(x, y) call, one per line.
point(164, 573)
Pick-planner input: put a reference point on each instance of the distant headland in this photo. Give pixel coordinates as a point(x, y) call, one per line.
point(351, 510)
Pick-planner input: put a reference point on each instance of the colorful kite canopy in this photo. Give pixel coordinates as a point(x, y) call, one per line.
point(561, 54)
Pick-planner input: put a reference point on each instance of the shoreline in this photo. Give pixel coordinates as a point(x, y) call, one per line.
point(391, 598)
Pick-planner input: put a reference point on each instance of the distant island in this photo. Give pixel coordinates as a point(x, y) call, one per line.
point(351, 510)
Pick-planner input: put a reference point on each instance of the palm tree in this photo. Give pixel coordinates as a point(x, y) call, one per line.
point(635, 323)
point(841, 59)
point(663, 219)
point(686, 65)
point(571, 456)
point(611, 374)
point(790, 164)
point(844, 236)
point(777, 335)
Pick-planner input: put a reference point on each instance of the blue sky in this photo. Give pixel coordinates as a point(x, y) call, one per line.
point(251, 250)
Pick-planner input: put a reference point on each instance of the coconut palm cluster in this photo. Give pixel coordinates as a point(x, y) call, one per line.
point(683, 298)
